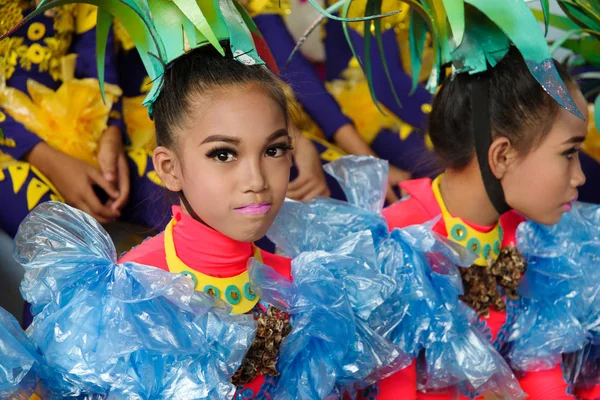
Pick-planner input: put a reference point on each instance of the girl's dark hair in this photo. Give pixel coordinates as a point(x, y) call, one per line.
point(198, 72)
point(519, 109)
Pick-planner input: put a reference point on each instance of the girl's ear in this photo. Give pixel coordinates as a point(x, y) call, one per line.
point(501, 155)
point(166, 165)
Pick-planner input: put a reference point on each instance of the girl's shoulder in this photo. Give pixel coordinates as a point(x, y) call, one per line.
point(282, 265)
point(509, 222)
point(418, 207)
point(150, 252)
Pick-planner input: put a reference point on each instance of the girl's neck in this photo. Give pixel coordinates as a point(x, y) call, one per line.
point(465, 196)
point(206, 250)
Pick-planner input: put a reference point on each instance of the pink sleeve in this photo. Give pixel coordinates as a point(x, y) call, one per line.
point(545, 385)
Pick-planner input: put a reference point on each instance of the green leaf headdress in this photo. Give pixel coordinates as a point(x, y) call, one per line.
point(163, 30)
point(582, 26)
point(470, 35)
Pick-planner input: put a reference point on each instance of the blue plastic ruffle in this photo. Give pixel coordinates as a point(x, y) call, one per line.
point(20, 364)
point(331, 348)
point(560, 295)
point(121, 331)
point(422, 313)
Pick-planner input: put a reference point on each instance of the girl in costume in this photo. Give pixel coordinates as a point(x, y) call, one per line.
point(61, 141)
point(135, 84)
point(123, 330)
point(325, 118)
point(423, 315)
point(508, 124)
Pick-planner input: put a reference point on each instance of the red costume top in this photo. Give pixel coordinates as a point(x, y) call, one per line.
point(210, 253)
point(423, 206)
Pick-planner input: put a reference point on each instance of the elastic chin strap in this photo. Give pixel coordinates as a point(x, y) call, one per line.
point(482, 133)
point(189, 208)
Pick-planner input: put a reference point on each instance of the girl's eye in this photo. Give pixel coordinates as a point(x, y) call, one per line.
point(278, 150)
point(571, 153)
point(222, 155)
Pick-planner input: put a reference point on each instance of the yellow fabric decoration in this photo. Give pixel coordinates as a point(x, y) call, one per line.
point(211, 284)
point(352, 94)
point(70, 119)
point(140, 127)
point(591, 146)
point(485, 245)
point(36, 189)
point(257, 7)
point(18, 173)
point(85, 18)
point(46, 53)
point(122, 38)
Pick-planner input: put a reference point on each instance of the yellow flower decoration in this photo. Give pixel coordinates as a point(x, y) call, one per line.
point(36, 53)
point(36, 31)
point(352, 94)
point(70, 119)
point(48, 58)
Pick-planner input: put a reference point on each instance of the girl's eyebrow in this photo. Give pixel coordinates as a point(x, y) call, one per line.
point(222, 138)
point(277, 134)
point(575, 139)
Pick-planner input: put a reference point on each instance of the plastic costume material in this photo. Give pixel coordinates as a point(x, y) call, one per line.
point(423, 315)
point(123, 330)
point(120, 330)
point(180, 350)
point(559, 295)
point(331, 348)
point(20, 364)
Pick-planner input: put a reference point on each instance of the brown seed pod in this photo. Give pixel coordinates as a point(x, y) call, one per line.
point(261, 359)
point(481, 284)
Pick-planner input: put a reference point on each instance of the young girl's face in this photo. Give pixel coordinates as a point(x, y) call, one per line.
point(543, 184)
point(233, 161)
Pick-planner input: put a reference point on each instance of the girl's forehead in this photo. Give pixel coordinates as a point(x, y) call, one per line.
point(248, 115)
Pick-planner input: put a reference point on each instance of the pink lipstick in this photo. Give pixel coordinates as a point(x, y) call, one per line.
point(254, 209)
point(568, 206)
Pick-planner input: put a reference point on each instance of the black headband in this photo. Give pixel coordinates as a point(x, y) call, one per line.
point(482, 134)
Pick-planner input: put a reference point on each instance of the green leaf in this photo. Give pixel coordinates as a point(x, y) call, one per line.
point(331, 9)
point(2, 134)
point(582, 14)
point(371, 9)
point(588, 75)
point(417, 36)
point(456, 17)
point(546, 10)
point(378, 37)
point(557, 21)
point(597, 112)
point(192, 11)
point(517, 22)
point(103, 24)
point(320, 9)
point(558, 43)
